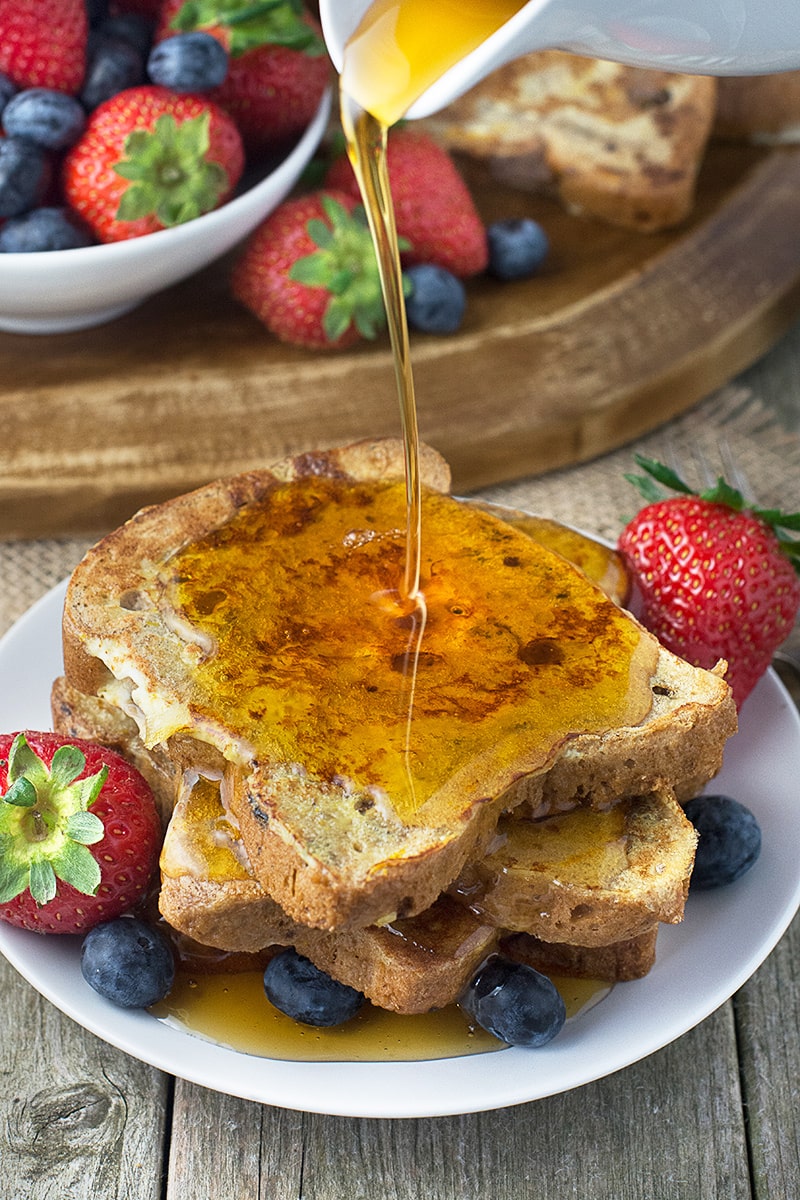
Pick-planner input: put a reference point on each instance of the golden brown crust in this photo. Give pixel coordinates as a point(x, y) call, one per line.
point(615, 963)
point(620, 143)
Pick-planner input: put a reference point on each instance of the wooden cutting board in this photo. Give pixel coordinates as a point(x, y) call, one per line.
point(618, 334)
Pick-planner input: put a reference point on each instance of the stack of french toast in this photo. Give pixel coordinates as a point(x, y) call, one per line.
point(397, 788)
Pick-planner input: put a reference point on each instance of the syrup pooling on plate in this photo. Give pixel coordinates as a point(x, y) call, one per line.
point(310, 647)
point(233, 1011)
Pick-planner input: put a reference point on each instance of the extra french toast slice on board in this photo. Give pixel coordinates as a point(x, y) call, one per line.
point(411, 965)
point(620, 143)
point(329, 842)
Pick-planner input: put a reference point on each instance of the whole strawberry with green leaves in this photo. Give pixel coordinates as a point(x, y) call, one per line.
point(717, 578)
point(43, 43)
point(434, 210)
point(79, 833)
point(279, 67)
point(309, 273)
point(149, 159)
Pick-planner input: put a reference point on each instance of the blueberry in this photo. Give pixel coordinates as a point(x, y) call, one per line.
point(7, 90)
point(42, 229)
point(515, 1003)
point(128, 962)
point(436, 301)
point(113, 65)
point(300, 990)
point(517, 248)
point(729, 843)
point(23, 173)
point(52, 120)
point(188, 62)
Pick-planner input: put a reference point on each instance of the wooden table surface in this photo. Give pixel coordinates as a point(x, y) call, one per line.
point(713, 1115)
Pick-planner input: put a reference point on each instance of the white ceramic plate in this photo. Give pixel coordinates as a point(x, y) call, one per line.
point(726, 935)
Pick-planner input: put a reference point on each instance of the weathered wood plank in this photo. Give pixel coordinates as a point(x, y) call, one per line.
point(618, 334)
point(78, 1118)
point(669, 1128)
point(768, 1021)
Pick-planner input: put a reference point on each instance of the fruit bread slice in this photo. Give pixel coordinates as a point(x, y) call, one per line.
point(412, 964)
point(255, 628)
point(586, 877)
point(620, 143)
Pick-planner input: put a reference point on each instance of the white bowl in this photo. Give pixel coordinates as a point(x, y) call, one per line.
point(63, 290)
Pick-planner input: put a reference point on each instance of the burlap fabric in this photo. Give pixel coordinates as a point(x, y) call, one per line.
point(731, 430)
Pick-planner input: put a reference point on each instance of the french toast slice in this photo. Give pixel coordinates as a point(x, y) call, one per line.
point(366, 769)
point(619, 143)
point(414, 964)
point(586, 877)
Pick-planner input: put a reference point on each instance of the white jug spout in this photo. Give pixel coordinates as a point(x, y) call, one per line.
point(700, 37)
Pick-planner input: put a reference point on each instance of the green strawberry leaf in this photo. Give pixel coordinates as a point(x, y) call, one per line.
point(14, 876)
point(22, 760)
point(91, 786)
point(42, 881)
point(169, 175)
point(313, 271)
point(76, 866)
point(22, 793)
point(250, 25)
point(85, 828)
point(321, 234)
point(67, 764)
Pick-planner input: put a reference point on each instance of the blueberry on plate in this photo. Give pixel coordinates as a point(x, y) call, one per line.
point(301, 991)
point(515, 1003)
point(517, 248)
point(52, 120)
point(436, 301)
point(113, 64)
point(42, 229)
point(188, 62)
point(729, 842)
point(128, 962)
point(23, 174)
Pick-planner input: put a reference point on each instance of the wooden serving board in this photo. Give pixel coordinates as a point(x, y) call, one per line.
point(618, 334)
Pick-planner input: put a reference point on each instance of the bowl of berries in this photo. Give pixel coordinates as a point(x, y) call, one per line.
point(142, 139)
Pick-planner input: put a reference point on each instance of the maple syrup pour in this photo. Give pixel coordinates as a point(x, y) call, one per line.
point(234, 1011)
point(313, 659)
point(400, 48)
point(366, 147)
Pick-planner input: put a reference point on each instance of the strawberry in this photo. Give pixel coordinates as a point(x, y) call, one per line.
point(149, 159)
point(43, 43)
point(309, 273)
point(434, 210)
point(279, 67)
point(59, 799)
point(717, 579)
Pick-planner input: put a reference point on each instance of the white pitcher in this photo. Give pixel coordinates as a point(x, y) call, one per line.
point(701, 37)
